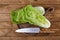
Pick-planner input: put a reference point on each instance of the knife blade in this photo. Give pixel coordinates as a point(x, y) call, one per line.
point(28, 30)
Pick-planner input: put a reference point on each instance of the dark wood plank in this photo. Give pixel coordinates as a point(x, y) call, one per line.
point(31, 38)
point(30, 2)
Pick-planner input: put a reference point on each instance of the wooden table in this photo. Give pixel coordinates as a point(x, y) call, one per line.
point(7, 28)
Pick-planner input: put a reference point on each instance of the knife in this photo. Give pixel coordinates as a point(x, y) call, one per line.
point(28, 30)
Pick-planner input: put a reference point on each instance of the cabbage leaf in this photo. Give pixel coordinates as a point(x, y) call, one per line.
point(31, 15)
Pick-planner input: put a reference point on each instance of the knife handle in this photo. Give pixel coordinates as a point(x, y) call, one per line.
point(49, 9)
point(18, 26)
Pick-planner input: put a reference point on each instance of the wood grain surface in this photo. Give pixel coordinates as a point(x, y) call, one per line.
point(7, 28)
